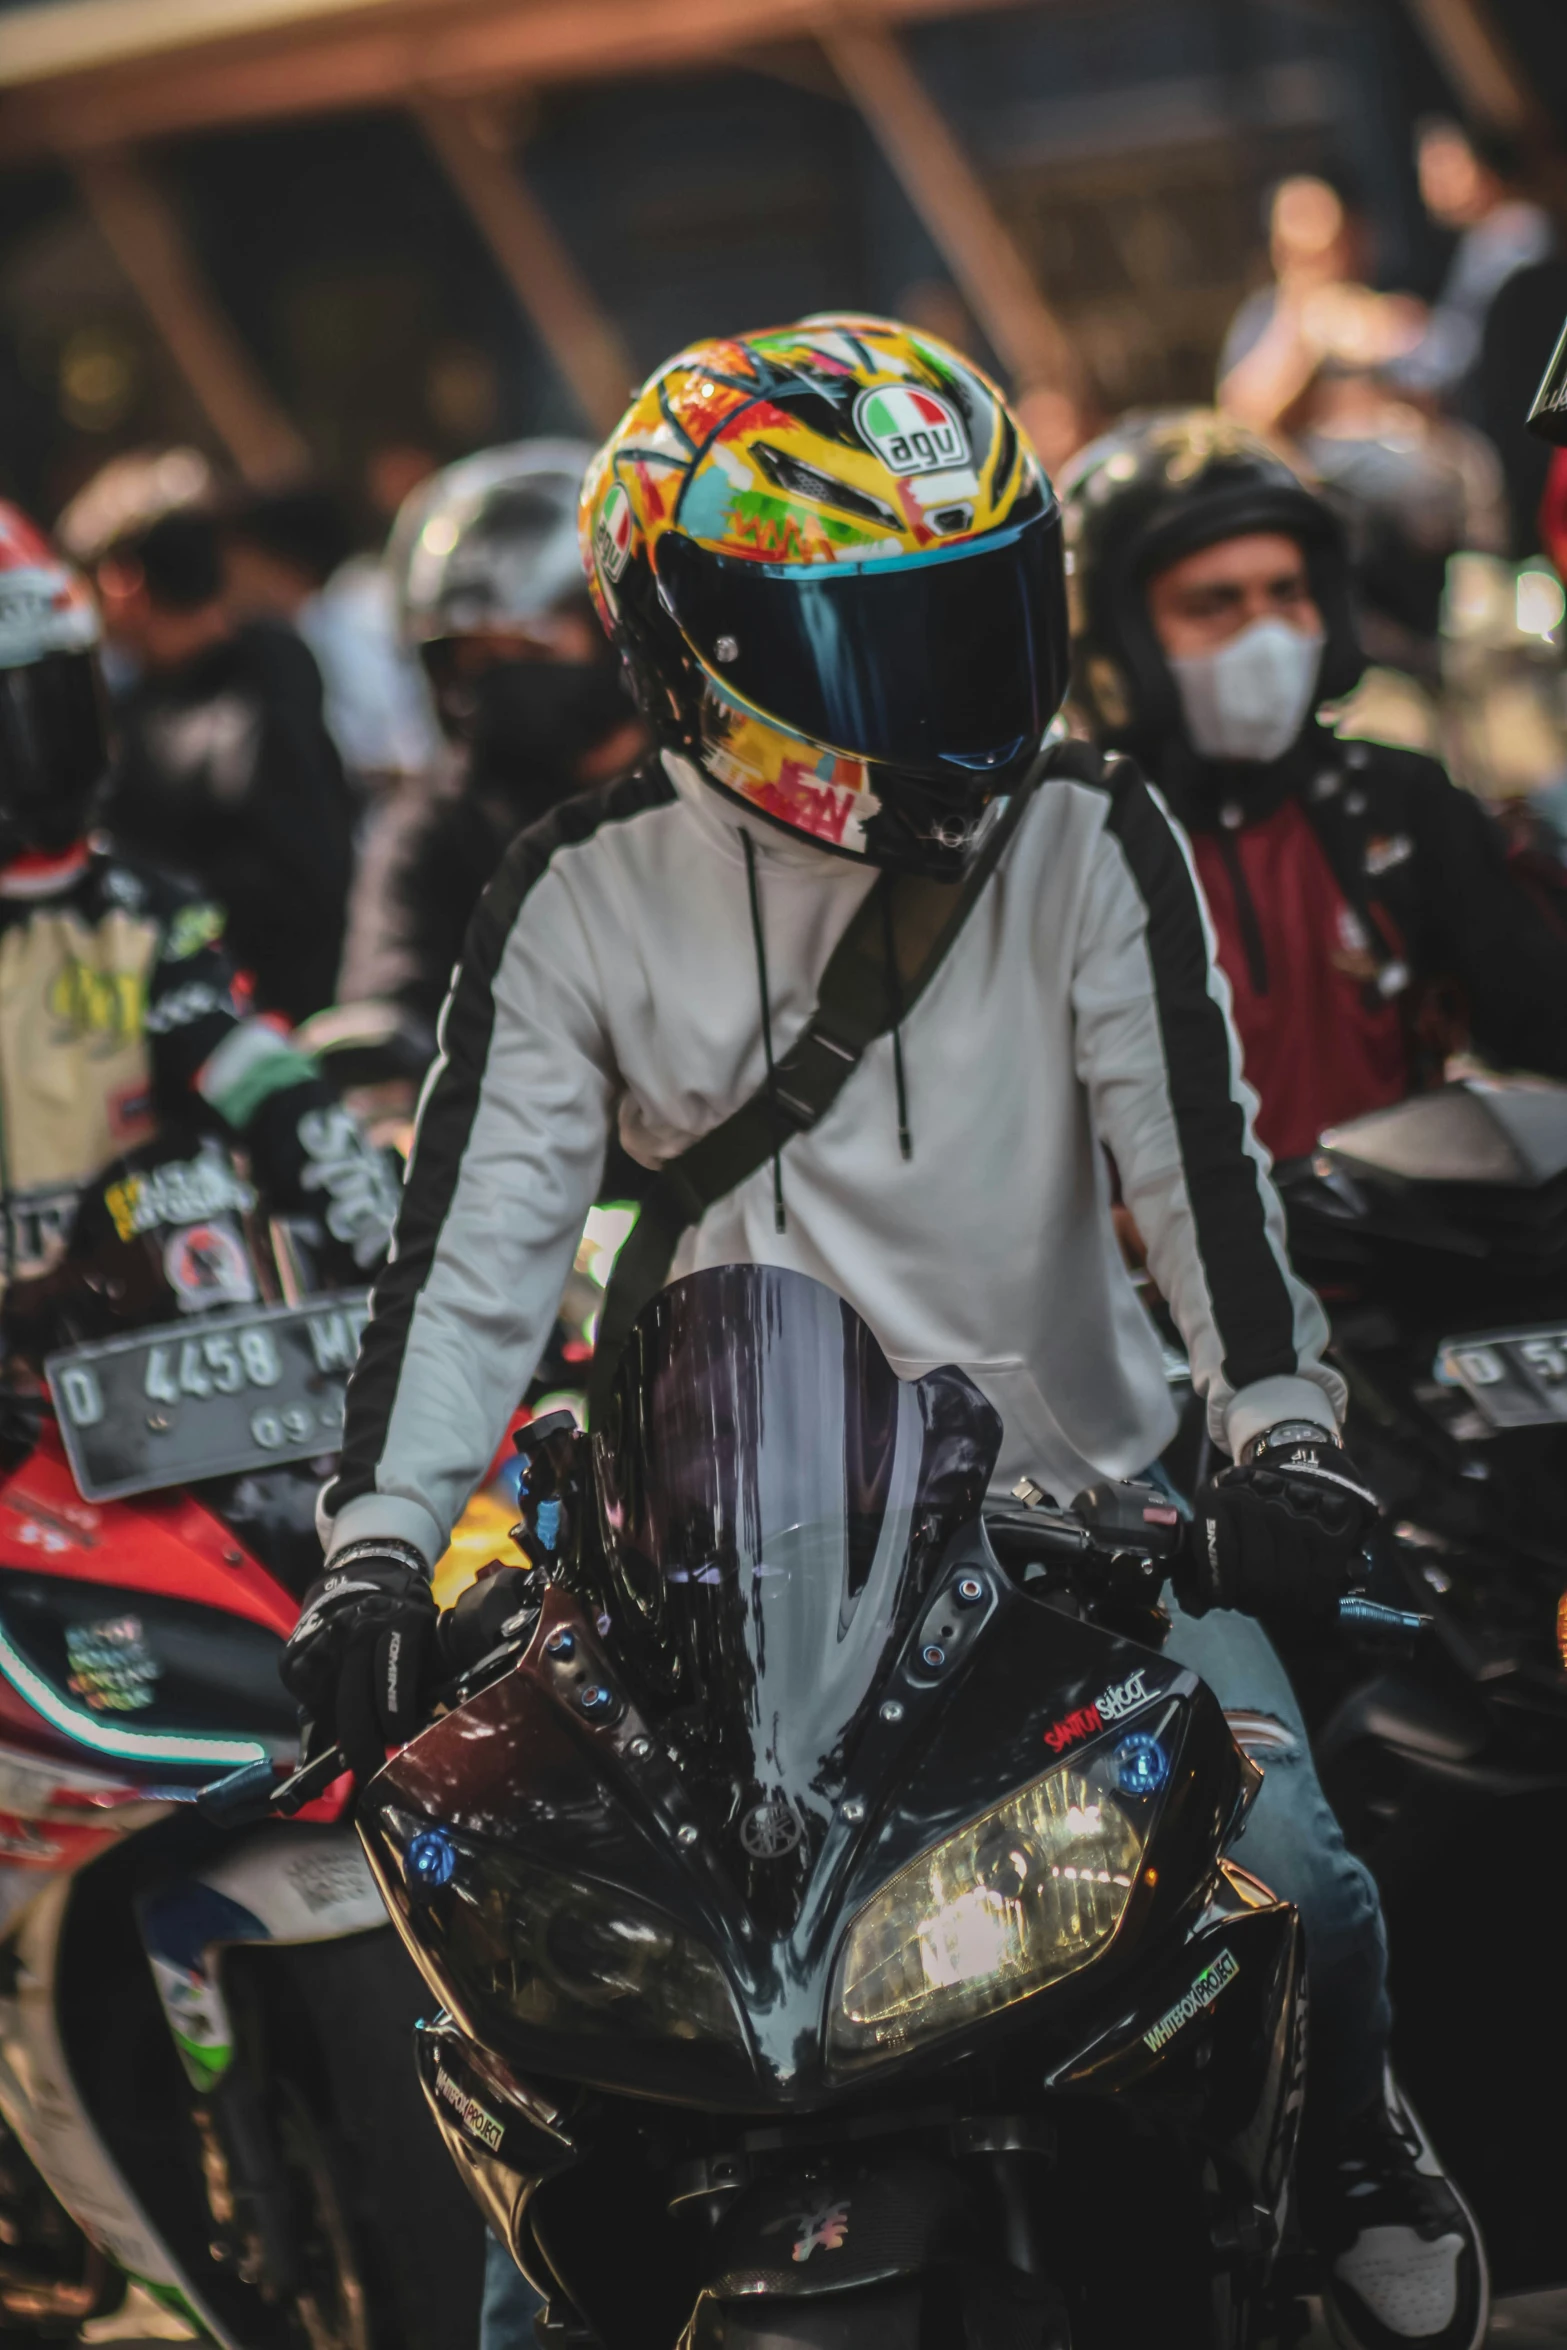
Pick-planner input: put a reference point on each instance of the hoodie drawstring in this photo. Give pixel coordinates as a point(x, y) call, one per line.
point(895, 1000)
point(759, 942)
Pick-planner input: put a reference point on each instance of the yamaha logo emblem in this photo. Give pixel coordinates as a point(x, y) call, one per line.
point(770, 1831)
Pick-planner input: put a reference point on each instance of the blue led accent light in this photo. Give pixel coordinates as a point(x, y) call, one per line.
point(546, 1523)
point(1141, 1764)
point(432, 1858)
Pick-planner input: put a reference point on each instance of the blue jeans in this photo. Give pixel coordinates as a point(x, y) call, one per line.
point(1295, 1845)
point(510, 2303)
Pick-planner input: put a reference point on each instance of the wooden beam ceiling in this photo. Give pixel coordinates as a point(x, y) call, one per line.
point(577, 333)
point(143, 231)
point(63, 94)
point(950, 197)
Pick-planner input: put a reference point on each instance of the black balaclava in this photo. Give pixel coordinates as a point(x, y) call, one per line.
point(532, 723)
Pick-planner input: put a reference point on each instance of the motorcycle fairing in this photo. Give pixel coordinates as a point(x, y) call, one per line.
point(168, 1543)
point(45, 2109)
point(1216, 2043)
point(505, 2136)
point(1227, 2074)
point(280, 1884)
point(1478, 1131)
point(518, 1777)
point(982, 2309)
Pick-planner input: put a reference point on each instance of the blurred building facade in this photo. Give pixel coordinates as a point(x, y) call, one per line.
point(1126, 145)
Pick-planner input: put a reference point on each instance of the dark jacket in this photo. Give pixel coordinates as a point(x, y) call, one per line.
point(448, 864)
point(226, 771)
point(1368, 923)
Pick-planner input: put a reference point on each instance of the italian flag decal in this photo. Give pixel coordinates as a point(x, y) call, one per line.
point(911, 430)
point(612, 536)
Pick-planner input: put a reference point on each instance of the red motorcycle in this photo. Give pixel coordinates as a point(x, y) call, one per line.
point(204, 2077)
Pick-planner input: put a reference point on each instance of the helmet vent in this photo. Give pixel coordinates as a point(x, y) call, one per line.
point(824, 489)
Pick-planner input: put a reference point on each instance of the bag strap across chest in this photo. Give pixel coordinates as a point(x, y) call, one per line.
point(892, 948)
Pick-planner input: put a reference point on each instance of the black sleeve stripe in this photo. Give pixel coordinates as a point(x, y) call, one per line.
point(1253, 1309)
point(448, 1111)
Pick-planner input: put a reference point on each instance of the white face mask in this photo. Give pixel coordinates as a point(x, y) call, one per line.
point(1251, 698)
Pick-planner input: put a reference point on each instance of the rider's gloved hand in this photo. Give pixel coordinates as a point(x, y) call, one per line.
point(1280, 1533)
point(357, 1660)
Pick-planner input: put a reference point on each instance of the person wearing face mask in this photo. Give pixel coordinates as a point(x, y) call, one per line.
point(526, 689)
point(1364, 912)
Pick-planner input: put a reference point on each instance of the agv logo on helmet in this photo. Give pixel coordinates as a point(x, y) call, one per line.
point(911, 430)
point(612, 535)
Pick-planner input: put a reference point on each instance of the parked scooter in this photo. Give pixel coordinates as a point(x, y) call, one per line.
point(828, 1878)
point(202, 2027)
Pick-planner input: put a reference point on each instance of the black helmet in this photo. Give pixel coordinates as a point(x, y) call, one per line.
point(1160, 486)
point(53, 745)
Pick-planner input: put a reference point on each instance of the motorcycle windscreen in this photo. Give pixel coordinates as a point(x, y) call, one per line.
point(775, 1501)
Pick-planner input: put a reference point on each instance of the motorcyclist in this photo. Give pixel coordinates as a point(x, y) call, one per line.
point(833, 566)
point(1364, 913)
point(492, 598)
point(121, 1009)
point(223, 764)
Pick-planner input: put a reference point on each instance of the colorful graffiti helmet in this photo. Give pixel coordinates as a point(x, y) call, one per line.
point(53, 746)
point(1158, 487)
point(832, 565)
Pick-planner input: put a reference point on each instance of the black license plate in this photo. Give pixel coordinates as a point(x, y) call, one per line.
point(1514, 1378)
point(207, 1397)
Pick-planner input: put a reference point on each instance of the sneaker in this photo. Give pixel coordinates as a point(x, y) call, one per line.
point(1402, 2257)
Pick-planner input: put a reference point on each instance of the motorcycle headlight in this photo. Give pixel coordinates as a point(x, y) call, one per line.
point(514, 1944)
point(1019, 1898)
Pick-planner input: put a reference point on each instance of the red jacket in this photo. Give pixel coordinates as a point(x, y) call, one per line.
point(1367, 923)
point(1321, 1041)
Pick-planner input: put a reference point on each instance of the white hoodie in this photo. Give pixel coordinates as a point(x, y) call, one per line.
point(611, 973)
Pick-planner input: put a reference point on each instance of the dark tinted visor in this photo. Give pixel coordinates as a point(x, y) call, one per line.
point(954, 657)
point(53, 748)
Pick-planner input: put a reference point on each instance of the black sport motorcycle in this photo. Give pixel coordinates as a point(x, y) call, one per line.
point(825, 1880)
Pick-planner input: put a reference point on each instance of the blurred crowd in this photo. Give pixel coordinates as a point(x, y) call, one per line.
point(337, 740)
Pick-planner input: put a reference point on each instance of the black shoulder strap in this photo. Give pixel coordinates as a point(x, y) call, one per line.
point(854, 1006)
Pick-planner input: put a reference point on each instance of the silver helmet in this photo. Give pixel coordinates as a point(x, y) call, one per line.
point(489, 543)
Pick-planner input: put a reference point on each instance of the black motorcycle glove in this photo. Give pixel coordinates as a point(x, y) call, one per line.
point(1279, 1534)
point(357, 1660)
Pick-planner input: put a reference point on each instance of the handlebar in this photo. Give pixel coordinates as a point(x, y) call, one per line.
point(1109, 1525)
point(1114, 1522)
point(1381, 1627)
point(253, 1791)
